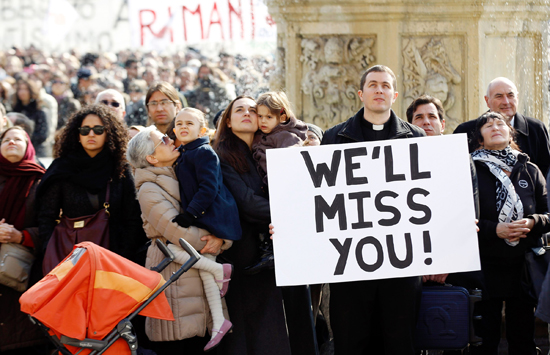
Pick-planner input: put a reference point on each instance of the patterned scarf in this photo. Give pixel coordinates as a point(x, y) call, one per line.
point(509, 206)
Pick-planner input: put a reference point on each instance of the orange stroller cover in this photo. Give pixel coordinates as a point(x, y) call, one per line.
point(90, 291)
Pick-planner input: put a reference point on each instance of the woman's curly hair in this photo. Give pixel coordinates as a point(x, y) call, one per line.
point(116, 140)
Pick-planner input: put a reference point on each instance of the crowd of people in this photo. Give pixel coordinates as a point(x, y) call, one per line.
point(48, 89)
point(175, 147)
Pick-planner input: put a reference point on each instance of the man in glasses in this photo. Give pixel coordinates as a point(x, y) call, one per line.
point(114, 100)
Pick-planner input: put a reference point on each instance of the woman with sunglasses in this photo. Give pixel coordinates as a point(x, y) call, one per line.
point(153, 154)
point(91, 160)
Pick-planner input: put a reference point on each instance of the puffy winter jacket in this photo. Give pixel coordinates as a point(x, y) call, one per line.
point(159, 198)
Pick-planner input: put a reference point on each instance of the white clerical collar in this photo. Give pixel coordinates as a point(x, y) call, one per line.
point(377, 127)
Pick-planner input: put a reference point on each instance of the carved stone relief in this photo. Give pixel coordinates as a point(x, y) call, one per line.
point(428, 69)
point(331, 69)
point(277, 77)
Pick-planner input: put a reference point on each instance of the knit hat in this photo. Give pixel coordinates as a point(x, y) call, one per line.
point(315, 129)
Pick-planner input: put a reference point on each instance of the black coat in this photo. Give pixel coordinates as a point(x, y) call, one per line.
point(203, 193)
point(16, 329)
point(345, 293)
point(531, 137)
point(126, 233)
point(350, 131)
point(502, 264)
point(255, 304)
point(41, 126)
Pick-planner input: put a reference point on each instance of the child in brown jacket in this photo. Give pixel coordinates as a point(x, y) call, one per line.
point(279, 128)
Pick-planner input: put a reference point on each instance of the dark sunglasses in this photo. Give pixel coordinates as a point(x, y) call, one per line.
point(85, 130)
point(164, 140)
point(110, 103)
point(58, 82)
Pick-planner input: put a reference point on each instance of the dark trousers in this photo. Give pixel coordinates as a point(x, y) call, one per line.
point(190, 346)
point(520, 326)
point(299, 320)
point(359, 310)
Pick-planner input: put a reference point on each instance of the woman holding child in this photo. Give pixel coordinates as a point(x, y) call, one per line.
point(255, 303)
point(195, 297)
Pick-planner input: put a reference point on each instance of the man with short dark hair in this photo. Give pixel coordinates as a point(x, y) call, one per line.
point(427, 112)
point(131, 67)
point(85, 79)
point(531, 134)
point(359, 309)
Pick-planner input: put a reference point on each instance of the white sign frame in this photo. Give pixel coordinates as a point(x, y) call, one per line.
point(446, 242)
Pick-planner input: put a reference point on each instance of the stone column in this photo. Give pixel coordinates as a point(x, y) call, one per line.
point(449, 49)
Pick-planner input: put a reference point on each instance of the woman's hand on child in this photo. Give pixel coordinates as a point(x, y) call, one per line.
point(213, 245)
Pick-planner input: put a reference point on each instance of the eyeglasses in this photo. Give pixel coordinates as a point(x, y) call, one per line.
point(110, 103)
point(58, 82)
point(164, 140)
point(85, 130)
point(161, 103)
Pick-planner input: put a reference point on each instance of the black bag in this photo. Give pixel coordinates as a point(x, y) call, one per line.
point(71, 231)
point(444, 319)
point(534, 272)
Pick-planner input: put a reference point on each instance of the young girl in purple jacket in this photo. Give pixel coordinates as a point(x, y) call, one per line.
point(279, 128)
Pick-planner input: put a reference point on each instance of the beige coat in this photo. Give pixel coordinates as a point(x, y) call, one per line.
point(159, 198)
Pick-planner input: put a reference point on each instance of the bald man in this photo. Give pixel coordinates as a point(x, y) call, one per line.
point(114, 100)
point(531, 134)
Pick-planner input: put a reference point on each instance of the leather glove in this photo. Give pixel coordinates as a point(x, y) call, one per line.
point(185, 219)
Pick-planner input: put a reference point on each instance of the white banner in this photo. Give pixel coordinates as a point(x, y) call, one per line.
point(161, 23)
point(104, 25)
point(375, 210)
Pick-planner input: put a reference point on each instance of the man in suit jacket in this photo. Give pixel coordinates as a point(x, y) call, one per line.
point(531, 134)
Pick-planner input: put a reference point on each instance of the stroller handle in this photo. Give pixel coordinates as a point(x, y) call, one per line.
point(168, 256)
point(189, 249)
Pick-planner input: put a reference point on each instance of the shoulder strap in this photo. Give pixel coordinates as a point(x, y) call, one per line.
point(107, 194)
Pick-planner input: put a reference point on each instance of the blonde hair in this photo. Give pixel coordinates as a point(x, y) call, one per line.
point(277, 102)
point(198, 114)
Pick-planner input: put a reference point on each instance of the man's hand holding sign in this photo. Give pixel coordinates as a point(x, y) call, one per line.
point(372, 210)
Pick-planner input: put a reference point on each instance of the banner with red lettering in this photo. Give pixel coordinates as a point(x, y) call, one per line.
point(156, 25)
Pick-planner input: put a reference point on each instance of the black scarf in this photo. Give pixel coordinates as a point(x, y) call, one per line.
point(92, 174)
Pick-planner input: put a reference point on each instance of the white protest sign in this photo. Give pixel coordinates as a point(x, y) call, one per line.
point(162, 23)
point(372, 210)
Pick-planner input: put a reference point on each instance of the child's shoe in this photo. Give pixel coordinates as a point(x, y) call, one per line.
point(227, 271)
point(215, 341)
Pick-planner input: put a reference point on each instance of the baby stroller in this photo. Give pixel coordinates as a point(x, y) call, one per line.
point(87, 302)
